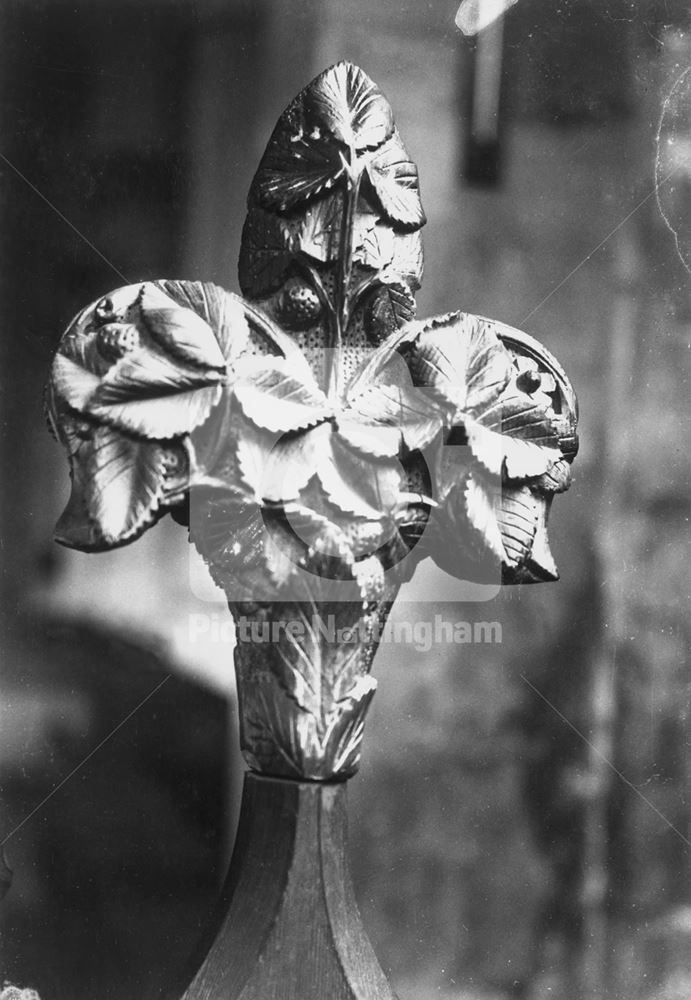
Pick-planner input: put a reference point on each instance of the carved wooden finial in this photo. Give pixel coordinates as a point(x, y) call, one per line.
point(316, 438)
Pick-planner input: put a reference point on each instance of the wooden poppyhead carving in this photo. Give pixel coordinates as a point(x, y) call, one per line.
point(315, 437)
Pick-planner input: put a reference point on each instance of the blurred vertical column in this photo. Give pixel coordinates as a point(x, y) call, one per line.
point(483, 20)
point(603, 686)
point(668, 938)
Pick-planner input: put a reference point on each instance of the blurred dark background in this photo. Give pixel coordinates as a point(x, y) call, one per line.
point(520, 826)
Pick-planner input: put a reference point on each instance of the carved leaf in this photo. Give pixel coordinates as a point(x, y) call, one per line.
point(275, 399)
point(401, 407)
point(462, 358)
point(321, 229)
point(165, 378)
point(525, 348)
point(374, 244)
point(346, 726)
point(389, 308)
point(228, 530)
point(233, 329)
point(301, 666)
point(450, 464)
point(280, 560)
point(73, 383)
point(378, 440)
point(117, 486)
point(83, 349)
point(295, 166)
point(125, 485)
point(369, 574)
point(359, 485)
point(407, 258)
point(222, 311)
point(520, 415)
point(395, 180)
point(517, 516)
point(344, 101)
point(152, 395)
point(556, 479)
point(181, 332)
point(277, 470)
point(481, 510)
point(318, 532)
point(512, 456)
point(541, 565)
point(267, 248)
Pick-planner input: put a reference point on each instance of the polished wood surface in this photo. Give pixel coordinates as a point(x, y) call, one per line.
point(288, 925)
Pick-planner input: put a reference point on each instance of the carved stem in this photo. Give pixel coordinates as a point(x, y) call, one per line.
point(345, 265)
point(304, 685)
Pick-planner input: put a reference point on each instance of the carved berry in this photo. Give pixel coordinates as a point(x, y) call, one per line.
point(105, 311)
point(380, 320)
point(299, 306)
point(115, 340)
point(529, 381)
point(388, 310)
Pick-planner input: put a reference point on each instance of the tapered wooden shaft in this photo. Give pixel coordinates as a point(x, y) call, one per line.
point(288, 927)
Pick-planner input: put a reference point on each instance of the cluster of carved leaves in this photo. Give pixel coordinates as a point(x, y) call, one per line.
point(304, 697)
point(446, 438)
point(134, 375)
point(158, 401)
point(509, 438)
point(335, 154)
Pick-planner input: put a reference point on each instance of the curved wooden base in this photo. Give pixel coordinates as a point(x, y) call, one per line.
point(289, 924)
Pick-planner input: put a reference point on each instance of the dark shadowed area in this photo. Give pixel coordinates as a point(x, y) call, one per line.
point(520, 825)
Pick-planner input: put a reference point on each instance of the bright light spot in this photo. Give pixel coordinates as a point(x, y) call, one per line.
point(475, 15)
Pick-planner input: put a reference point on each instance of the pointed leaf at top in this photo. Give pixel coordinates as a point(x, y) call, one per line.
point(348, 105)
point(274, 398)
point(180, 332)
point(394, 178)
point(296, 166)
